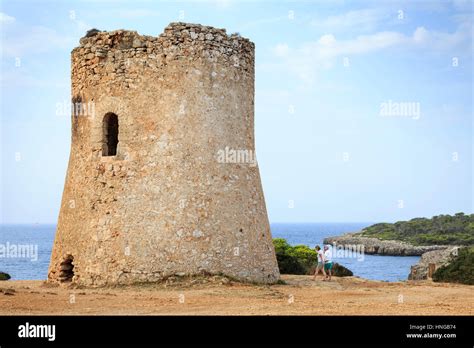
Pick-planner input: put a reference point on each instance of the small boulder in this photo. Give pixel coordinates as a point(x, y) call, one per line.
point(100, 53)
point(8, 292)
point(137, 43)
point(4, 276)
point(341, 271)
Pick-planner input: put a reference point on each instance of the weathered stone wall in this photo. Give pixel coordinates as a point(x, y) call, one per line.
point(164, 204)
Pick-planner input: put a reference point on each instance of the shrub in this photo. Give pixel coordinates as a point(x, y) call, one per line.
point(460, 270)
point(439, 230)
point(92, 32)
point(301, 259)
point(287, 259)
point(305, 256)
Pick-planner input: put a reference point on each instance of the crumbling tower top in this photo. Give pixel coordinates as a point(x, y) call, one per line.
point(179, 41)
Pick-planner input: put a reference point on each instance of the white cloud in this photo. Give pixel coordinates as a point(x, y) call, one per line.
point(365, 19)
point(136, 13)
point(20, 39)
point(81, 27)
point(462, 5)
point(261, 22)
point(442, 41)
point(308, 58)
point(4, 18)
point(37, 39)
point(281, 50)
point(420, 34)
point(327, 39)
point(328, 47)
point(21, 78)
point(222, 3)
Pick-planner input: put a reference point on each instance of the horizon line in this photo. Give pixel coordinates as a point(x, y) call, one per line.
point(274, 222)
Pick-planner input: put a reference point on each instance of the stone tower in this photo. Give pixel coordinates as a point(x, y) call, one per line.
point(161, 177)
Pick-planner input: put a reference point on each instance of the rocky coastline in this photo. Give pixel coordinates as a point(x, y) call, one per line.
point(432, 256)
point(431, 261)
point(375, 246)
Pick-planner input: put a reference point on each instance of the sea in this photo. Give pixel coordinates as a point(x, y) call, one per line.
point(37, 240)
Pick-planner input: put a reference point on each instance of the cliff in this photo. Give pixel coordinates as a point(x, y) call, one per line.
point(431, 261)
point(455, 229)
point(382, 247)
point(437, 240)
point(459, 269)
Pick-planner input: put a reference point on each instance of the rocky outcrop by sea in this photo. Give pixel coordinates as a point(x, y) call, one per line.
point(380, 247)
point(339, 270)
point(431, 261)
point(4, 276)
point(432, 256)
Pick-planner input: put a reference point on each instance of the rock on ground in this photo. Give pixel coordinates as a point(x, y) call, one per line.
point(4, 276)
point(340, 271)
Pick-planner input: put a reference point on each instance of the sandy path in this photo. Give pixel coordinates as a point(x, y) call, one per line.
point(299, 296)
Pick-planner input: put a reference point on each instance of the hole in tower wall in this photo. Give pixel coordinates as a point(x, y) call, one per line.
point(110, 129)
point(66, 269)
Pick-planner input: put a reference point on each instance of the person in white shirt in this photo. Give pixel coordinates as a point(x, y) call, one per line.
point(320, 266)
point(327, 262)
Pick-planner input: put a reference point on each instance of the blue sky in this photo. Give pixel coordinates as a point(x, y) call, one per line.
point(324, 71)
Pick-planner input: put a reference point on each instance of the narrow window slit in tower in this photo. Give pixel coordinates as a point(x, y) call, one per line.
point(110, 129)
point(66, 269)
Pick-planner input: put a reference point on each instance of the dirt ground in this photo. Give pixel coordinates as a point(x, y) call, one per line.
point(220, 296)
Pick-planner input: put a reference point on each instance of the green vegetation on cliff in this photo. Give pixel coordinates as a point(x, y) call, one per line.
point(439, 230)
point(301, 259)
point(460, 270)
